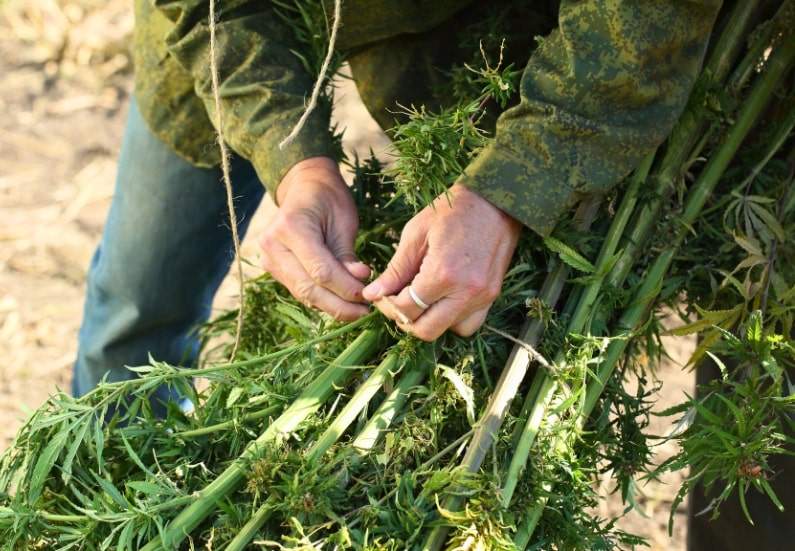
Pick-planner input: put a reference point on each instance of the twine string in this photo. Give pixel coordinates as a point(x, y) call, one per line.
point(227, 178)
point(321, 78)
point(225, 168)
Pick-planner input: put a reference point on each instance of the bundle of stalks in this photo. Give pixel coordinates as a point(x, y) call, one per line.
point(329, 436)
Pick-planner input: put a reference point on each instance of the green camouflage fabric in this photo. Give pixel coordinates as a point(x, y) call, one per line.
point(601, 91)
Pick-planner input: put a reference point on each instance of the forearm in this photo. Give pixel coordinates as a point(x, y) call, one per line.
point(599, 94)
point(262, 82)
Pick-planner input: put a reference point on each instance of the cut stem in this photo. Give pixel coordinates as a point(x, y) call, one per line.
point(315, 395)
point(762, 92)
point(545, 383)
point(778, 65)
point(392, 405)
point(508, 385)
point(226, 425)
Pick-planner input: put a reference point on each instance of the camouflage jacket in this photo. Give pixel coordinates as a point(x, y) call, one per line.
point(602, 89)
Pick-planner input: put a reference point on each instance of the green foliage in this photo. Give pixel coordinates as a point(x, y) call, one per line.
point(114, 469)
point(731, 429)
point(569, 255)
point(433, 149)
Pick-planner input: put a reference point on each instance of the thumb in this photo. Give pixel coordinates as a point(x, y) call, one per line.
point(400, 271)
point(341, 244)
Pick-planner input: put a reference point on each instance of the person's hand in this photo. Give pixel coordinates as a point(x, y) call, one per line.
point(453, 255)
point(308, 246)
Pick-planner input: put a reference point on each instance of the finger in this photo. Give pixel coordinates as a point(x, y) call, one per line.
point(470, 324)
point(288, 271)
point(430, 285)
point(387, 307)
point(357, 269)
point(437, 319)
point(322, 266)
point(340, 243)
point(402, 268)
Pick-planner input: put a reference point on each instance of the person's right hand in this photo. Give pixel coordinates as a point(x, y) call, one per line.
point(308, 246)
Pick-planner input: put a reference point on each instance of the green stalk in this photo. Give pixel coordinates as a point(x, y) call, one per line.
point(530, 398)
point(684, 137)
point(763, 38)
point(780, 135)
point(379, 421)
point(354, 406)
point(226, 425)
point(778, 65)
point(692, 128)
point(546, 384)
point(511, 377)
point(313, 397)
point(252, 527)
point(527, 527)
point(343, 420)
point(392, 405)
point(731, 39)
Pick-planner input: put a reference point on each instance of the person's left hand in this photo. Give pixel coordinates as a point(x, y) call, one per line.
point(453, 255)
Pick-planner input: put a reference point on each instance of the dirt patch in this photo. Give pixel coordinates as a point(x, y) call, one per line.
point(65, 79)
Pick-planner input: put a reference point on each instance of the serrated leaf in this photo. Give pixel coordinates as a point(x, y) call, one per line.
point(234, 396)
point(683, 423)
point(724, 372)
point(729, 278)
point(295, 314)
point(126, 537)
point(753, 330)
point(112, 491)
point(771, 494)
point(749, 244)
point(45, 463)
point(770, 221)
point(66, 468)
point(759, 199)
point(134, 456)
point(709, 318)
point(146, 488)
point(569, 255)
point(706, 342)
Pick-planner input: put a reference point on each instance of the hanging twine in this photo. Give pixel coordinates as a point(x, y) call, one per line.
point(226, 171)
point(321, 78)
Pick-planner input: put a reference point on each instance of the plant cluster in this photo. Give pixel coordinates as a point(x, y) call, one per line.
point(330, 436)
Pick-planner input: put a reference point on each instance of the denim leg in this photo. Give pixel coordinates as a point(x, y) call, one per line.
point(165, 249)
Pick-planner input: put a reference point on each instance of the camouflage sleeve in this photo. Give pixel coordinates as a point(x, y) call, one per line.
point(600, 93)
point(263, 83)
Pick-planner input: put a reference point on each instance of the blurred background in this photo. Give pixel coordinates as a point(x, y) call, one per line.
point(65, 78)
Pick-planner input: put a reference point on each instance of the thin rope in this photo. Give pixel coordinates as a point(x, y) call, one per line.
point(321, 78)
point(532, 352)
point(226, 171)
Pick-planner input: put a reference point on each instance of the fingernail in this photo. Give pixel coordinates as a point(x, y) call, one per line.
point(373, 291)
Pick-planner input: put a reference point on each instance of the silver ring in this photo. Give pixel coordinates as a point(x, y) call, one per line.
point(417, 300)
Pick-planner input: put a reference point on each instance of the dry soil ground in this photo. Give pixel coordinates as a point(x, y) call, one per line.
point(65, 77)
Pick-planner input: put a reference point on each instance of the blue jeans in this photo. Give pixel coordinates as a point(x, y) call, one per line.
point(165, 249)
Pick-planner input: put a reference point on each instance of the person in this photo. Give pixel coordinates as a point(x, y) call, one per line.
point(601, 90)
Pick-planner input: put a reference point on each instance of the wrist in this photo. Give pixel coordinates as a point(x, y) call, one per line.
point(318, 169)
point(468, 196)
